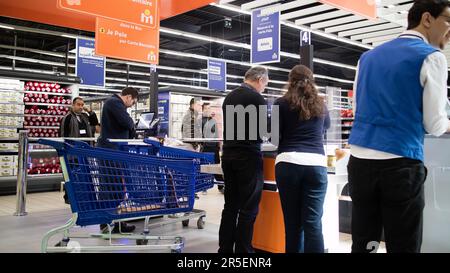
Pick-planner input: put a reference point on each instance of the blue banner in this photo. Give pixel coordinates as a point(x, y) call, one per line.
point(265, 37)
point(217, 78)
point(163, 114)
point(89, 67)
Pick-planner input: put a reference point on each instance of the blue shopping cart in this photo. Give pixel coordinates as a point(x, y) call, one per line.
point(150, 147)
point(106, 186)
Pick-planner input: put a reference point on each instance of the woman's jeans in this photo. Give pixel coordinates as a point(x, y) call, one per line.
point(302, 193)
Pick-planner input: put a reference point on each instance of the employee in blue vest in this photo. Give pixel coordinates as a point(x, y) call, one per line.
point(400, 94)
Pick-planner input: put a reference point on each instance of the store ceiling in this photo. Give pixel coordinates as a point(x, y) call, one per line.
point(338, 37)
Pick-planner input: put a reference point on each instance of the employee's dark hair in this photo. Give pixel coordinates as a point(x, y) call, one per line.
point(204, 105)
point(192, 102)
point(130, 91)
point(75, 100)
point(302, 94)
point(434, 7)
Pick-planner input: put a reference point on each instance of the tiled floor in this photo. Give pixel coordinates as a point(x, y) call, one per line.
point(47, 210)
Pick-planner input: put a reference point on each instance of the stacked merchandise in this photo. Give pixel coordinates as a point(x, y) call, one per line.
point(8, 165)
point(48, 165)
point(11, 118)
point(45, 106)
point(11, 107)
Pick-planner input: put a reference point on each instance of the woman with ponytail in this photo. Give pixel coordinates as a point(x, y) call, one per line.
point(300, 171)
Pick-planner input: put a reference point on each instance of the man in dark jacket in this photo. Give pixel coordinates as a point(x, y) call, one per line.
point(116, 124)
point(78, 124)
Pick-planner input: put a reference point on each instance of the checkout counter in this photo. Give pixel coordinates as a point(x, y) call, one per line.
point(268, 234)
point(436, 221)
point(269, 226)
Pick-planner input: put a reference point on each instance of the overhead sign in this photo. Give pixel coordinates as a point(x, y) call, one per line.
point(139, 12)
point(265, 37)
point(305, 38)
point(89, 67)
point(217, 78)
point(121, 40)
point(365, 8)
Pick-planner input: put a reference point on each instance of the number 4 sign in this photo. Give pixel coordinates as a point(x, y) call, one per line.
point(305, 38)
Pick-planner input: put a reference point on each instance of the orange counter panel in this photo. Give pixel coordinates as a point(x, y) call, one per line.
point(269, 168)
point(268, 232)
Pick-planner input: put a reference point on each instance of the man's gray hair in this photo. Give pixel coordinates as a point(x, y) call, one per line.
point(256, 73)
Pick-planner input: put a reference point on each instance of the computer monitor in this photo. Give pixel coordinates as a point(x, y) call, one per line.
point(145, 121)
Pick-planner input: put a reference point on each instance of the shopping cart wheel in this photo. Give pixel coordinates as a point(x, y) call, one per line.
point(62, 243)
point(201, 222)
point(141, 242)
point(185, 223)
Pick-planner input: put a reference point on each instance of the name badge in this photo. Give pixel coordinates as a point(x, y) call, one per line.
point(82, 132)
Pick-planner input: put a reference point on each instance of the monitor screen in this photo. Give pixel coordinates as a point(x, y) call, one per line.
point(145, 120)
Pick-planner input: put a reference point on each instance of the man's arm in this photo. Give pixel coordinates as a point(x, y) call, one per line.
point(93, 120)
point(355, 85)
point(433, 77)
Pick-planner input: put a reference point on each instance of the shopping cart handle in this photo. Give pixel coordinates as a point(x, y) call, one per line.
point(152, 142)
point(78, 144)
point(58, 145)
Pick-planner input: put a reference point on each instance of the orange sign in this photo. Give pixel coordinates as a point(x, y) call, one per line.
point(139, 12)
point(126, 41)
point(366, 8)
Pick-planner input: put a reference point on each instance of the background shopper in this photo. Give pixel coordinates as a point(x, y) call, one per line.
point(301, 164)
point(242, 167)
point(192, 122)
point(401, 92)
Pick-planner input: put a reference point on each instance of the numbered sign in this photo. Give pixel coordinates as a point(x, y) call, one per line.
point(305, 38)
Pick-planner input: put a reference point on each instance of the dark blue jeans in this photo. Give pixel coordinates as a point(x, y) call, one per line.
point(302, 193)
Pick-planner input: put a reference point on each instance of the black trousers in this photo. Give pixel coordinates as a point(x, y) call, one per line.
point(243, 187)
point(389, 195)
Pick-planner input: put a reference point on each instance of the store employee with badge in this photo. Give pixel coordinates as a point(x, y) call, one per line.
point(78, 123)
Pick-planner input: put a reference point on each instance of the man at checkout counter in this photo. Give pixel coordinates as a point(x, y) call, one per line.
point(242, 164)
point(400, 92)
point(116, 124)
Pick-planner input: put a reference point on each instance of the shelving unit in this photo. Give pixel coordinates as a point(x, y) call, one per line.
point(339, 103)
point(44, 172)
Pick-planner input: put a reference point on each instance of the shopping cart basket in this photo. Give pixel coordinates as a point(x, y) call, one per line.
point(151, 147)
point(105, 186)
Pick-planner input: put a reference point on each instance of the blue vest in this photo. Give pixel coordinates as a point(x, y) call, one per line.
point(389, 108)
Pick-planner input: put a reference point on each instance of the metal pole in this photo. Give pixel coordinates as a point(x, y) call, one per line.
point(14, 52)
point(22, 174)
point(67, 57)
